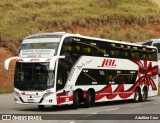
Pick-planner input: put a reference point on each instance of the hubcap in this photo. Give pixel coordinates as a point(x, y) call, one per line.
point(137, 95)
point(144, 95)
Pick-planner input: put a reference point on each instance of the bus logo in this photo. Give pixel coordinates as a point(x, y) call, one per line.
point(108, 63)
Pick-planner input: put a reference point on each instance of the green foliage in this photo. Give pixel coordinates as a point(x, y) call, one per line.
point(6, 91)
point(104, 18)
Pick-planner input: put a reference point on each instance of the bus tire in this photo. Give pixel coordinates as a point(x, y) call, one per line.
point(136, 95)
point(75, 100)
point(41, 107)
point(87, 102)
point(144, 95)
point(93, 99)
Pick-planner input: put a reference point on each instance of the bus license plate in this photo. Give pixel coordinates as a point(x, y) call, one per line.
point(31, 100)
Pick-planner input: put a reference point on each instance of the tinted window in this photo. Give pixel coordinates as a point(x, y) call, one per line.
point(158, 46)
point(103, 77)
point(75, 47)
point(148, 43)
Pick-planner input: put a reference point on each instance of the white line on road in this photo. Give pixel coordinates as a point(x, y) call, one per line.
point(90, 115)
point(113, 109)
point(155, 103)
point(132, 106)
point(71, 122)
point(146, 103)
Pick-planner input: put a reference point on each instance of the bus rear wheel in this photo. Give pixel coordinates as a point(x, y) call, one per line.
point(136, 95)
point(41, 107)
point(75, 100)
point(144, 95)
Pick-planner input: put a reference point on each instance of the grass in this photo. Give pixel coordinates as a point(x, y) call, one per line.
point(2, 91)
point(98, 18)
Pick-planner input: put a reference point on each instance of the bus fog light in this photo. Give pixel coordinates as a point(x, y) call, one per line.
point(50, 101)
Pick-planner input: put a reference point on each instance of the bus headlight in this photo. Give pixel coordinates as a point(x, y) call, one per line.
point(47, 94)
point(17, 94)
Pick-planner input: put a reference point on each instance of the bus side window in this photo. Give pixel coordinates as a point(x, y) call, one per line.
point(86, 51)
point(114, 53)
point(132, 55)
point(135, 55)
point(143, 55)
point(153, 56)
point(109, 77)
point(67, 49)
point(115, 50)
point(88, 48)
point(124, 54)
point(77, 48)
point(67, 46)
point(94, 51)
point(103, 49)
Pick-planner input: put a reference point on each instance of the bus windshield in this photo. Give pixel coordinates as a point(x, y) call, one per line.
point(33, 76)
point(40, 50)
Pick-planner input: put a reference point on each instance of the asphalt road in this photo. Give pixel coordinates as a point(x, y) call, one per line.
point(68, 115)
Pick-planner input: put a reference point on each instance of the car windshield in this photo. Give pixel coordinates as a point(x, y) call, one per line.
point(33, 76)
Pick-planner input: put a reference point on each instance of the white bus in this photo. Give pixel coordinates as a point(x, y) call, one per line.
point(61, 68)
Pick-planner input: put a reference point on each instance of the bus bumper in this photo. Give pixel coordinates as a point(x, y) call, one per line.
point(45, 99)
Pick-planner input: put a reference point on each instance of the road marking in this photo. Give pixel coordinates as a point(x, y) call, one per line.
point(71, 122)
point(132, 106)
point(112, 109)
point(90, 115)
point(145, 103)
point(156, 103)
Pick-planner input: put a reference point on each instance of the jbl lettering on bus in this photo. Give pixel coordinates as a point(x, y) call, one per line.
point(108, 63)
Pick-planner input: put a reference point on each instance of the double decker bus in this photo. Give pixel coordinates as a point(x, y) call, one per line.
point(61, 68)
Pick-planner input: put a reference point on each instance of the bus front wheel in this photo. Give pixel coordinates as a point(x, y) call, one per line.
point(75, 100)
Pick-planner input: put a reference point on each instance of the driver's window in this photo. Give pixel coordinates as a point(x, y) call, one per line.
point(61, 78)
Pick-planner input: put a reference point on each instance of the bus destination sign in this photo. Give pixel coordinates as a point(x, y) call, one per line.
point(37, 53)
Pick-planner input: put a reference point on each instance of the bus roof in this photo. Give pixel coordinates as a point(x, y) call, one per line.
point(61, 34)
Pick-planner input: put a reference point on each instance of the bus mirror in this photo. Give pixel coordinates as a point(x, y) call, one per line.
point(53, 60)
point(7, 61)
